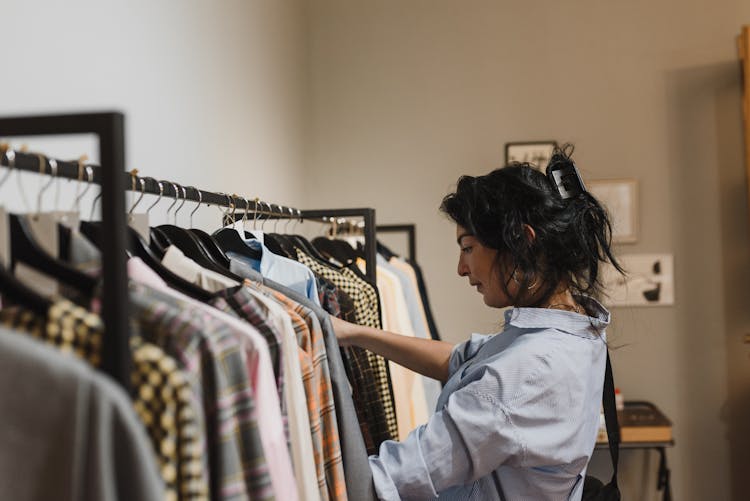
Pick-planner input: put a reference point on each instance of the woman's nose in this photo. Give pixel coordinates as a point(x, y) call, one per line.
point(463, 270)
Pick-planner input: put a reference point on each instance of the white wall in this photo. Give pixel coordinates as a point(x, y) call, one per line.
point(212, 91)
point(408, 95)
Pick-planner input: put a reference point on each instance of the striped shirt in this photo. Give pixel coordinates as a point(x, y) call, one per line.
point(320, 403)
point(367, 313)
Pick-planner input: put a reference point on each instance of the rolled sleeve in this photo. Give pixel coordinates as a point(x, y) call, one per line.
point(469, 438)
point(466, 350)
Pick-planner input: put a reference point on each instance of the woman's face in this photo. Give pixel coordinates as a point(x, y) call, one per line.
point(479, 264)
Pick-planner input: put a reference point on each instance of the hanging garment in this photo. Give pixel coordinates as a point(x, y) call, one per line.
point(408, 388)
point(181, 265)
point(331, 300)
point(65, 413)
point(325, 433)
point(420, 329)
point(281, 269)
point(298, 417)
point(353, 452)
point(72, 329)
point(300, 425)
point(240, 302)
point(425, 301)
point(368, 314)
point(221, 356)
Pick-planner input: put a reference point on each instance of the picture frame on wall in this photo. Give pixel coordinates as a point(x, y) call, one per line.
point(649, 281)
point(620, 198)
point(536, 153)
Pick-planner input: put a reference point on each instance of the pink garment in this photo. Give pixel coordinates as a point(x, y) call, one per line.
point(267, 408)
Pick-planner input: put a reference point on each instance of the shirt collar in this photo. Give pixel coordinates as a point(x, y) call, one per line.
point(566, 321)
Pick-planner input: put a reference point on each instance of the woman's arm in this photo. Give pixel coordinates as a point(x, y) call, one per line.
point(424, 356)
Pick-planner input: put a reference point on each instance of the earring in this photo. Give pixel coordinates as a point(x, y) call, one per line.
point(528, 287)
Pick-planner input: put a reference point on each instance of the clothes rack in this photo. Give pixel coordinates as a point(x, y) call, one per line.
point(409, 229)
point(110, 130)
point(131, 181)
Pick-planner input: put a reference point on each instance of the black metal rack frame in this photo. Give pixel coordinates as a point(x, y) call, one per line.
point(131, 181)
point(110, 129)
point(411, 233)
point(368, 216)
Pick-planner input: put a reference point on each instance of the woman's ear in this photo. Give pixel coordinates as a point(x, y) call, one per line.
point(530, 233)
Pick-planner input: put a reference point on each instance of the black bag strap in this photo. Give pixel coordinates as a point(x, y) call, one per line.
point(610, 418)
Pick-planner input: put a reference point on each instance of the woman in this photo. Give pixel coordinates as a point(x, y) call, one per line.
point(519, 411)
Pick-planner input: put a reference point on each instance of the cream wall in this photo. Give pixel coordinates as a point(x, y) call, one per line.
point(408, 95)
point(213, 93)
point(386, 103)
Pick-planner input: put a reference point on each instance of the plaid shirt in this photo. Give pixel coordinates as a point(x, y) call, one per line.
point(362, 378)
point(382, 427)
point(211, 354)
point(161, 400)
point(320, 403)
point(238, 300)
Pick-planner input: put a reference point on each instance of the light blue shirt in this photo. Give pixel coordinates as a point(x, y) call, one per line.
point(283, 270)
point(414, 305)
point(519, 413)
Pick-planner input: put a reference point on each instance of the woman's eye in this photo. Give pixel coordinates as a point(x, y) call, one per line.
point(466, 250)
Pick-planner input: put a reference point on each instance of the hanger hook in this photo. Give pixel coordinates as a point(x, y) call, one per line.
point(297, 219)
point(244, 213)
point(42, 170)
point(89, 177)
point(142, 182)
point(276, 219)
point(268, 213)
point(184, 199)
point(256, 200)
point(200, 199)
point(161, 193)
point(288, 220)
point(174, 187)
point(233, 204)
point(225, 213)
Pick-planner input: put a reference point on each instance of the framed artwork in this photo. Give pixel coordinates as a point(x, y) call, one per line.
point(536, 153)
point(649, 281)
point(620, 198)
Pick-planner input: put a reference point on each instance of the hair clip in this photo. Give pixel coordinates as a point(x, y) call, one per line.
point(564, 176)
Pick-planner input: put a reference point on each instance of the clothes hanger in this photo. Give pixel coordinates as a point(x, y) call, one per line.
point(208, 242)
point(25, 249)
point(283, 240)
point(272, 240)
point(230, 240)
point(384, 251)
point(332, 247)
point(191, 246)
point(308, 248)
point(12, 289)
point(64, 231)
point(92, 229)
point(139, 248)
point(158, 241)
point(16, 292)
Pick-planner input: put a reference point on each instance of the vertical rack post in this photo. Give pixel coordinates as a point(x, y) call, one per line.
point(368, 215)
point(110, 129)
point(411, 233)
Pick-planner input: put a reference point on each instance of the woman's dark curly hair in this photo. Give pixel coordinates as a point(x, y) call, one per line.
point(573, 236)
